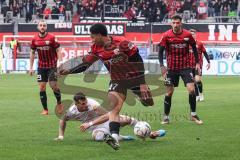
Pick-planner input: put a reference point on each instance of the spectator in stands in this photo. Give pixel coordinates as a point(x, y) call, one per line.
point(47, 13)
point(217, 9)
point(44, 4)
point(4, 9)
point(163, 9)
point(39, 11)
point(225, 10)
point(211, 8)
point(28, 7)
point(187, 5)
point(58, 3)
point(202, 10)
point(152, 10)
point(62, 13)
point(20, 4)
point(130, 14)
point(68, 11)
point(151, 15)
point(100, 9)
point(16, 10)
point(234, 6)
point(55, 12)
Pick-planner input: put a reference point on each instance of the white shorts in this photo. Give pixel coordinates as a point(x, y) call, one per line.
point(99, 131)
point(104, 127)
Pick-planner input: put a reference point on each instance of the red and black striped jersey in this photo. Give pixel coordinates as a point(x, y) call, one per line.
point(120, 57)
point(177, 49)
point(201, 49)
point(46, 48)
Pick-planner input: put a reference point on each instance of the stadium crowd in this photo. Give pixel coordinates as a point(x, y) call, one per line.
point(151, 10)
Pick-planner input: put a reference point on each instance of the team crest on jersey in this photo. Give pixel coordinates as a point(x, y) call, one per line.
point(186, 39)
point(47, 42)
point(130, 45)
point(116, 51)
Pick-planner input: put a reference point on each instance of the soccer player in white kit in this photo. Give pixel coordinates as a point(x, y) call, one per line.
point(95, 119)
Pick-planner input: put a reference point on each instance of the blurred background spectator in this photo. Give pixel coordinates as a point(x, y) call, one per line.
point(133, 10)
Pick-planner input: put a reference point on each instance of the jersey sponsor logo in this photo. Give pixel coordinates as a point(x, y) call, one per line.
point(116, 51)
point(180, 45)
point(130, 45)
point(47, 42)
point(44, 48)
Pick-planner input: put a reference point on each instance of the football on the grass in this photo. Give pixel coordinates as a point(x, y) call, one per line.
point(142, 129)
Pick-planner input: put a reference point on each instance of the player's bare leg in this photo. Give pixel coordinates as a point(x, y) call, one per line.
point(116, 101)
point(192, 103)
point(59, 107)
point(167, 104)
point(200, 87)
point(43, 97)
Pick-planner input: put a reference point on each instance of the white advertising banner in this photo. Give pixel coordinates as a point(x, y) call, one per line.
point(220, 53)
point(218, 67)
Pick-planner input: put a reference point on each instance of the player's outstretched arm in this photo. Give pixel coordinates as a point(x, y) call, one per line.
point(87, 62)
point(99, 120)
point(61, 130)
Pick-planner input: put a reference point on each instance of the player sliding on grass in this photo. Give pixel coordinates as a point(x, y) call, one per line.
point(48, 50)
point(126, 68)
point(95, 119)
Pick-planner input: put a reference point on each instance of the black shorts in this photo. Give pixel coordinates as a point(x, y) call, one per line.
point(173, 77)
point(196, 73)
point(46, 74)
point(124, 85)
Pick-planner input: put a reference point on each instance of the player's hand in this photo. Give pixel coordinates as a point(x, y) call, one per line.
point(198, 68)
point(59, 138)
point(31, 72)
point(145, 92)
point(64, 72)
point(163, 71)
point(208, 66)
point(84, 126)
point(59, 64)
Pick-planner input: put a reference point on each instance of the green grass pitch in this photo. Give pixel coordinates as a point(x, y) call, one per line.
point(27, 135)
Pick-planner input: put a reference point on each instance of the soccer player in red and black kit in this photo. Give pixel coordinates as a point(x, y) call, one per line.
point(48, 54)
point(198, 76)
point(176, 42)
point(122, 59)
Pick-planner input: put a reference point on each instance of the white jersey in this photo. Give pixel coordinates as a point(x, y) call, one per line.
point(83, 117)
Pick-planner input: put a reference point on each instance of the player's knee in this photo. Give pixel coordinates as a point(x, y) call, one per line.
point(53, 86)
point(169, 94)
point(191, 92)
point(42, 88)
point(98, 135)
point(170, 91)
